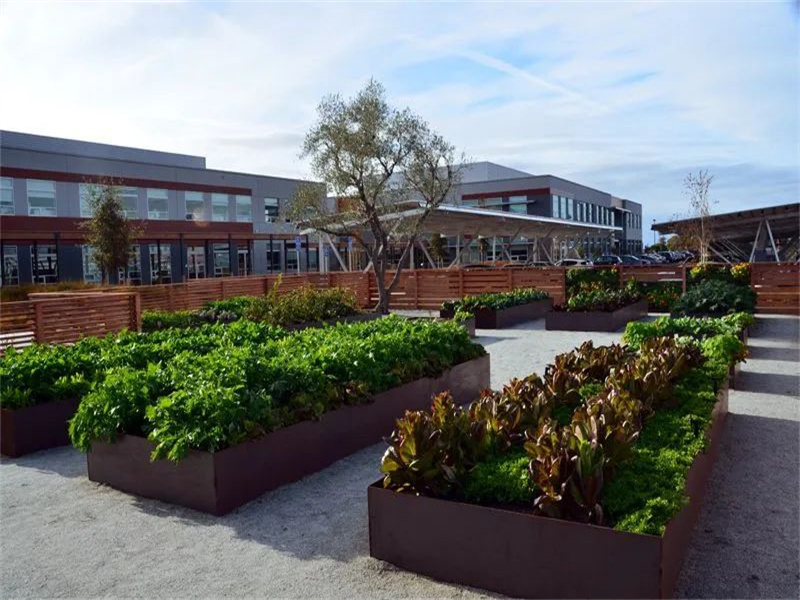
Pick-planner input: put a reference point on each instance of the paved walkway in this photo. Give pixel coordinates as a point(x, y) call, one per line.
point(61, 535)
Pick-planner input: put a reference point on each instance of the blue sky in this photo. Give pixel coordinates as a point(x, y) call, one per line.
point(623, 96)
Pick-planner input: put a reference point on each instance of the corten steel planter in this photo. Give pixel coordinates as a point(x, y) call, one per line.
point(335, 321)
point(37, 427)
point(219, 482)
point(528, 556)
point(562, 320)
point(489, 318)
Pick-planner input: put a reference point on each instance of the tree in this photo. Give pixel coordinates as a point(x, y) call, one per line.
point(438, 248)
point(108, 232)
point(696, 231)
point(388, 171)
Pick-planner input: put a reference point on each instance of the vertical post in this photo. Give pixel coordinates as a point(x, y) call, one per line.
point(158, 260)
point(308, 255)
point(233, 255)
point(683, 279)
point(270, 253)
point(621, 276)
point(411, 260)
point(38, 334)
point(35, 261)
point(136, 312)
point(460, 282)
point(415, 276)
point(181, 265)
point(57, 236)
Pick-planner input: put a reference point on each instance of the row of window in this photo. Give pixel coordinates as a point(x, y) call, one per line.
point(585, 212)
point(44, 263)
point(514, 204)
point(41, 199)
point(633, 221)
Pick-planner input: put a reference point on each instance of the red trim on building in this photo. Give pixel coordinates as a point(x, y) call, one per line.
point(25, 229)
point(129, 181)
point(500, 194)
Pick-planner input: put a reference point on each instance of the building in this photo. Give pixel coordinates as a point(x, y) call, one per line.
point(196, 222)
point(492, 187)
point(770, 233)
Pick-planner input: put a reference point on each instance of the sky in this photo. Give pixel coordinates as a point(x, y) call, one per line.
point(627, 97)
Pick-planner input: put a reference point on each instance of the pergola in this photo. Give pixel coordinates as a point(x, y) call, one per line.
point(745, 235)
point(468, 224)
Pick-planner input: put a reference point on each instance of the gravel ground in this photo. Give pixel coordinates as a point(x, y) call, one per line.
point(61, 535)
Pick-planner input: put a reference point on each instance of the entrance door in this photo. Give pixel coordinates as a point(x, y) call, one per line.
point(196, 256)
point(244, 261)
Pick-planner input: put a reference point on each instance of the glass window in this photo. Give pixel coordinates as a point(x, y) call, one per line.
point(91, 272)
point(554, 208)
point(10, 275)
point(491, 203)
point(570, 208)
point(470, 203)
point(44, 263)
point(222, 260)
point(7, 197)
point(157, 204)
point(85, 191)
point(130, 201)
point(133, 274)
point(41, 198)
point(291, 261)
point(196, 267)
point(244, 209)
point(271, 209)
point(195, 206)
point(518, 204)
point(160, 270)
point(219, 207)
point(562, 204)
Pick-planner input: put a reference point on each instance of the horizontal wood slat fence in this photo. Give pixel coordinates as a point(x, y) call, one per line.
point(64, 317)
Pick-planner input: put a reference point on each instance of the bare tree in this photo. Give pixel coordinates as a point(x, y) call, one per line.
point(108, 232)
point(387, 170)
point(696, 231)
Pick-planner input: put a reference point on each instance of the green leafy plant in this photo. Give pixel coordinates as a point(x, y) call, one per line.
point(602, 300)
point(500, 478)
point(494, 300)
point(580, 280)
point(696, 327)
point(713, 297)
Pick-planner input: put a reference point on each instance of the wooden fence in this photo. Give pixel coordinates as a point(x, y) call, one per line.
point(777, 287)
point(64, 317)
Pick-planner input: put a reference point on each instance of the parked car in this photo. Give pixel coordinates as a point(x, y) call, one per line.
point(630, 259)
point(647, 260)
point(574, 262)
point(538, 263)
point(607, 260)
point(655, 257)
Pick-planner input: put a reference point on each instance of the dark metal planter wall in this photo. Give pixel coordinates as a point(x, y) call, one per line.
point(523, 555)
point(487, 318)
point(33, 428)
point(220, 482)
point(595, 320)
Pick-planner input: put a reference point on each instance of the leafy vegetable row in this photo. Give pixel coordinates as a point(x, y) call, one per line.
point(495, 300)
point(237, 392)
point(604, 300)
point(606, 436)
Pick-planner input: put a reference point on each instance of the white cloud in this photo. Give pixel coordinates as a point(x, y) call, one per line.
point(625, 97)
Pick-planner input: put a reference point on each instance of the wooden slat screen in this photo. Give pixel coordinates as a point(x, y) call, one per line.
point(777, 287)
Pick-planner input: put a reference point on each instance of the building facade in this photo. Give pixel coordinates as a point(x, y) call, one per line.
point(195, 222)
point(494, 187)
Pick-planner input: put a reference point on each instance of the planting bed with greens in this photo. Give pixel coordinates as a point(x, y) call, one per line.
point(607, 436)
point(494, 300)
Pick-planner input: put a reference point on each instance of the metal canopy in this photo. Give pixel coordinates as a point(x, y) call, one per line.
point(741, 226)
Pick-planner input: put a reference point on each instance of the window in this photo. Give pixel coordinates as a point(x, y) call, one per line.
point(219, 207)
point(222, 260)
point(554, 207)
point(10, 275)
point(580, 211)
point(160, 263)
point(7, 197)
point(244, 209)
point(85, 191)
point(292, 263)
point(41, 198)
point(130, 202)
point(44, 263)
point(271, 210)
point(133, 274)
point(195, 206)
point(91, 272)
point(157, 204)
point(562, 207)
point(518, 204)
point(570, 208)
point(196, 268)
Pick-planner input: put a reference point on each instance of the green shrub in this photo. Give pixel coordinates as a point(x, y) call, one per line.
point(303, 305)
point(581, 279)
point(713, 297)
point(501, 478)
point(661, 295)
point(494, 300)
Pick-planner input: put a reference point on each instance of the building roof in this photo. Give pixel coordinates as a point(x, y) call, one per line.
point(784, 221)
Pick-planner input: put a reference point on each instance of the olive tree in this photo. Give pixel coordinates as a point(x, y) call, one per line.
point(108, 231)
point(386, 170)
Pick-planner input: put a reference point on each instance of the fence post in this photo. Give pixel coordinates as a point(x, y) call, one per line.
point(460, 283)
point(510, 279)
point(621, 276)
point(416, 289)
point(38, 334)
point(563, 281)
point(683, 279)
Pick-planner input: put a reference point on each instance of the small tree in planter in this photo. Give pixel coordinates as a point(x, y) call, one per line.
point(697, 233)
point(388, 171)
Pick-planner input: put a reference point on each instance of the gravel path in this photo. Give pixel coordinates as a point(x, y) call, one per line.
point(61, 535)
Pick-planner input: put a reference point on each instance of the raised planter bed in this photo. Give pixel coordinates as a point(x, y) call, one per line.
point(529, 556)
point(490, 318)
point(37, 427)
point(595, 320)
point(351, 319)
point(222, 481)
